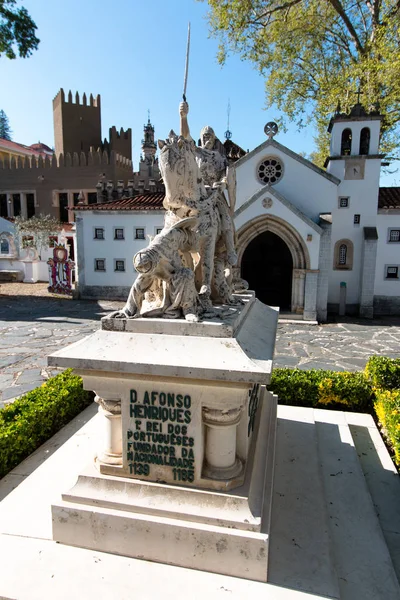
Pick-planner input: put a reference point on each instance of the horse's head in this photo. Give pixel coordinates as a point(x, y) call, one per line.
point(179, 170)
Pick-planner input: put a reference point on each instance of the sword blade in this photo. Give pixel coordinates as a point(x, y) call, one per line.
point(186, 64)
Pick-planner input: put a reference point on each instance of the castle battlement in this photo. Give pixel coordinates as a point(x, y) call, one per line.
point(121, 134)
point(75, 159)
point(60, 99)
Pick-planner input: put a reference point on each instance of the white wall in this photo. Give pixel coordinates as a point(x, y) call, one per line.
point(111, 249)
point(363, 195)
point(388, 254)
point(308, 190)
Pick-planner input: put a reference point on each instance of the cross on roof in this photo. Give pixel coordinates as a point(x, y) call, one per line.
point(358, 92)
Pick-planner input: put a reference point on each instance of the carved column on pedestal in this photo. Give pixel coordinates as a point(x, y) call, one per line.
point(298, 283)
point(220, 460)
point(110, 411)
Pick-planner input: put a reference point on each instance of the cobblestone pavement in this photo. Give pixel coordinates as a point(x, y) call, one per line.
point(31, 327)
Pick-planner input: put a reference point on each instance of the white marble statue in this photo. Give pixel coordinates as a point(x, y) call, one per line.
point(187, 267)
point(161, 263)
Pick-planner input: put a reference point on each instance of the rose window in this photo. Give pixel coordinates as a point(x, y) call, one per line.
point(270, 171)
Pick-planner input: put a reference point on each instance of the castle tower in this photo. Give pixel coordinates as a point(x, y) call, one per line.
point(121, 142)
point(77, 125)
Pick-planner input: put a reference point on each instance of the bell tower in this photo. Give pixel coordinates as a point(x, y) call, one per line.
point(149, 147)
point(354, 141)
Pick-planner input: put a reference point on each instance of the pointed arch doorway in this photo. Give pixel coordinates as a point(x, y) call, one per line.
point(267, 265)
point(274, 265)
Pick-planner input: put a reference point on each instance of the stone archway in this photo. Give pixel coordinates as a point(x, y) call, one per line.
point(251, 238)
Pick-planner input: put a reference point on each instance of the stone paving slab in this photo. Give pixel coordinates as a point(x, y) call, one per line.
point(31, 327)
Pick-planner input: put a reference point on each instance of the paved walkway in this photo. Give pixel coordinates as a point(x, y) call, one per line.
point(31, 327)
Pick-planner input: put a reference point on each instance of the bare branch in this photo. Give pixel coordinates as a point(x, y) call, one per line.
point(337, 5)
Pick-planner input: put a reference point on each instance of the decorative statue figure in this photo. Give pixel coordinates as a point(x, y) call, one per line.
point(161, 261)
point(213, 166)
point(188, 265)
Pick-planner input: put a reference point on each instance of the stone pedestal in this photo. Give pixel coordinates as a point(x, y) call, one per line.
point(184, 468)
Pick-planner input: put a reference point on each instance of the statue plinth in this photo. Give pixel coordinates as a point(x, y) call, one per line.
point(186, 447)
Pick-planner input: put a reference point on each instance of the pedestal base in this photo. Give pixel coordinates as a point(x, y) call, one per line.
point(220, 532)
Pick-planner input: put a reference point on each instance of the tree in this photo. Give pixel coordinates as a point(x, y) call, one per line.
point(36, 231)
point(5, 129)
point(315, 54)
point(16, 29)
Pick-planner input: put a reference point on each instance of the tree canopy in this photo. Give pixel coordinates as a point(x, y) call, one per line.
point(5, 129)
point(17, 31)
point(37, 229)
point(316, 53)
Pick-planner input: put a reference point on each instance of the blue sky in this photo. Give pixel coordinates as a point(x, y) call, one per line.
point(132, 53)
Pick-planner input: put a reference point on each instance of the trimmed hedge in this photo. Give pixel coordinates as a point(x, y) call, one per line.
point(322, 389)
point(32, 419)
point(383, 372)
point(387, 408)
point(384, 376)
point(376, 390)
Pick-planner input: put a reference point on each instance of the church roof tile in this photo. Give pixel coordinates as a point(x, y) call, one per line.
point(139, 202)
point(389, 197)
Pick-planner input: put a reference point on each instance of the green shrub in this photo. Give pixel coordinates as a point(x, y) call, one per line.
point(346, 391)
point(318, 389)
point(297, 387)
point(32, 419)
point(387, 407)
point(383, 372)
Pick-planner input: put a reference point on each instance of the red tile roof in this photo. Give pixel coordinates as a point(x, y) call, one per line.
point(389, 197)
point(27, 150)
point(39, 147)
point(140, 202)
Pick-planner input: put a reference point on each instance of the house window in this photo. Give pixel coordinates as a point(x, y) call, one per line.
point(30, 205)
point(119, 264)
point(394, 235)
point(99, 233)
point(344, 202)
point(139, 233)
point(364, 140)
point(63, 204)
point(76, 196)
point(357, 219)
point(392, 271)
point(345, 149)
point(119, 233)
point(92, 197)
point(99, 264)
point(4, 247)
point(343, 255)
point(17, 204)
point(27, 241)
point(158, 230)
point(3, 205)
point(52, 241)
point(270, 170)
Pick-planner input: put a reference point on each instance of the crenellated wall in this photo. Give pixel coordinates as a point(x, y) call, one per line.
point(75, 159)
point(119, 142)
point(77, 125)
point(69, 173)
